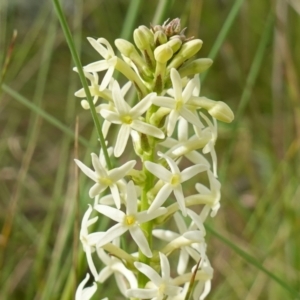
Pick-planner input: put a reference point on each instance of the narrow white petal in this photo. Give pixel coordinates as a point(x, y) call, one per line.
point(141, 293)
point(192, 171)
point(139, 237)
point(120, 103)
point(107, 78)
point(97, 66)
point(165, 266)
point(159, 171)
point(96, 189)
point(173, 166)
point(180, 223)
point(87, 171)
point(141, 106)
point(149, 272)
point(188, 90)
point(111, 212)
point(131, 195)
point(160, 198)
point(173, 117)
point(145, 216)
point(104, 274)
point(114, 232)
point(176, 83)
point(85, 293)
point(97, 166)
point(164, 102)
point(147, 129)
point(91, 263)
point(180, 199)
point(122, 140)
point(182, 261)
point(98, 47)
point(190, 117)
point(118, 173)
point(166, 235)
point(116, 195)
point(110, 116)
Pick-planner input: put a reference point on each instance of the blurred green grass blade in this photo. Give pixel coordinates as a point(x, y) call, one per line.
point(251, 260)
point(130, 19)
point(43, 114)
point(83, 80)
point(223, 33)
point(245, 98)
point(163, 7)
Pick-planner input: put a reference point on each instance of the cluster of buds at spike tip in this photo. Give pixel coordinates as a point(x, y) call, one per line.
point(144, 197)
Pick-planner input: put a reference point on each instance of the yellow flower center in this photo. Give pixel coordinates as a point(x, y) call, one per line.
point(130, 220)
point(179, 104)
point(175, 180)
point(126, 119)
point(105, 181)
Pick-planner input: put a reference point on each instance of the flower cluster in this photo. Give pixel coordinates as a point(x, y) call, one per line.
point(173, 131)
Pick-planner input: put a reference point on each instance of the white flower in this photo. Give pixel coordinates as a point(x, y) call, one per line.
point(129, 221)
point(172, 180)
point(129, 118)
point(104, 178)
point(177, 105)
point(186, 236)
point(108, 63)
point(85, 293)
point(94, 89)
point(191, 154)
point(115, 266)
point(89, 240)
point(160, 287)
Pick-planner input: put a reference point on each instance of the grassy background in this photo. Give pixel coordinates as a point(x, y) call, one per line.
point(255, 45)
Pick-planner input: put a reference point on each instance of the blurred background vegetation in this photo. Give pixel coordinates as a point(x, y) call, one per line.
point(255, 45)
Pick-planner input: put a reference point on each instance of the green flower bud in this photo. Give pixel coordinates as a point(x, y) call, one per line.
point(222, 112)
point(217, 109)
point(175, 44)
point(160, 38)
point(143, 38)
point(187, 50)
point(195, 67)
point(163, 53)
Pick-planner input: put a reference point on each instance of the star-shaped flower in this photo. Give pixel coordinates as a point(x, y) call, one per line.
point(186, 235)
point(104, 178)
point(129, 118)
point(172, 180)
point(159, 287)
point(177, 105)
point(129, 221)
point(103, 47)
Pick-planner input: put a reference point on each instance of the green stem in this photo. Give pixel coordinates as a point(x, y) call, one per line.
point(147, 226)
point(84, 83)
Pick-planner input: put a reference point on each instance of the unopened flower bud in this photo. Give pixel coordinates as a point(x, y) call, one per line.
point(175, 44)
point(195, 67)
point(163, 53)
point(160, 38)
point(143, 38)
point(125, 47)
point(217, 109)
point(222, 112)
point(187, 50)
